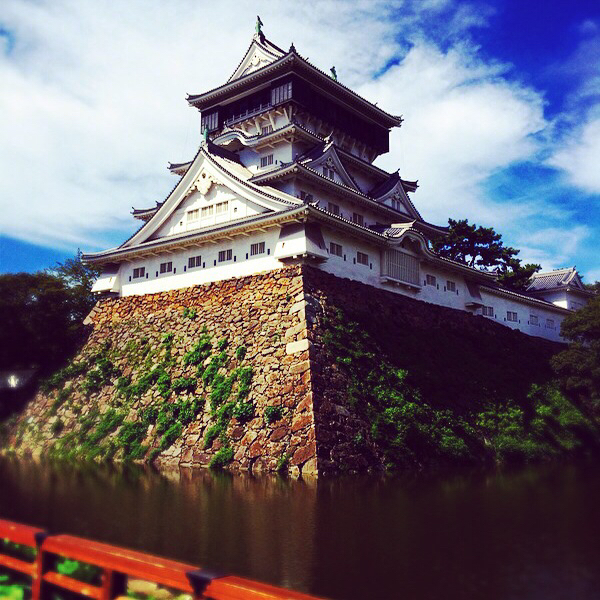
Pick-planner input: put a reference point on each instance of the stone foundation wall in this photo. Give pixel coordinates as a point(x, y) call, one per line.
point(260, 317)
point(290, 370)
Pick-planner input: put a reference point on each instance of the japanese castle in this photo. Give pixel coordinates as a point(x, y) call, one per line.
point(285, 174)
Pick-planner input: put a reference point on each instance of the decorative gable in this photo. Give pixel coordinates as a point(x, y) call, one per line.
point(331, 166)
point(397, 199)
point(260, 54)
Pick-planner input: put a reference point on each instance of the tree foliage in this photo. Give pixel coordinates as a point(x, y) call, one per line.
point(483, 248)
point(43, 314)
point(578, 367)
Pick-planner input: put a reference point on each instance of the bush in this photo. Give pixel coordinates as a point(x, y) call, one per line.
point(222, 458)
point(189, 313)
point(109, 422)
point(170, 436)
point(240, 353)
point(273, 413)
point(200, 352)
point(243, 411)
point(130, 438)
point(184, 385)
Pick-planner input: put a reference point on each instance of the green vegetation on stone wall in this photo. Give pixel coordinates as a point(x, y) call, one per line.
point(409, 421)
point(164, 390)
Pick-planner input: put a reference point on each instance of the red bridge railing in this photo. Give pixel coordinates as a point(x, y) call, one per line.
point(116, 565)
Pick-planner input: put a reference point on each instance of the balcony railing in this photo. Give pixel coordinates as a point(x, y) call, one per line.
point(251, 112)
point(400, 266)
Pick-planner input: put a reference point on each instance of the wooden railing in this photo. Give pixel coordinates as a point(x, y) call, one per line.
point(116, 565)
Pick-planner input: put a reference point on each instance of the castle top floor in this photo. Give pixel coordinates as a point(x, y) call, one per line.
point(271, 88)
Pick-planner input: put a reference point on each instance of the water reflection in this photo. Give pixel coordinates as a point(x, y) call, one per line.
point(522, 534)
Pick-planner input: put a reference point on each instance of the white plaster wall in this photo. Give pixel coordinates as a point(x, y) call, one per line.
point(250, 157)
point(524, 311)
point(237, 208)
point(345, 266)
point(183, 277)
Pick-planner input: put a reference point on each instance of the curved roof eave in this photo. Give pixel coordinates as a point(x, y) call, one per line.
point(191, 238)
point(196, 100)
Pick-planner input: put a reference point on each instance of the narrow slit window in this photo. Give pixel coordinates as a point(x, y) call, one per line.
point(358, 219)
point(222, 207)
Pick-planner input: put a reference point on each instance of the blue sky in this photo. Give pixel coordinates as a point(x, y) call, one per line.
point(501, 102)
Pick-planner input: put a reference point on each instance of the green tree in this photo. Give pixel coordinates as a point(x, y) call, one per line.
point(482, 247)
point(578, 367)
point(79, 278)
point(43, 314)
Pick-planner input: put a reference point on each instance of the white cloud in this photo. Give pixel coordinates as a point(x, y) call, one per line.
point(579, 157)
point(93, 102)
point(463, 121)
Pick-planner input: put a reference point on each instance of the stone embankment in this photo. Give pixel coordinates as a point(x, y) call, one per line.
point(298, 371)
point(231, 357)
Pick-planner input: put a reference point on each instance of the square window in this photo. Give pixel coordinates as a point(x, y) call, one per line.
point(431, 280)
point(358, 219)
point(225, 255)
point(362, 258)
point(267, 160)
point(511, 316)
point(222, 207)
point(139, 272)
point(166, 267)
point(488, 311)
point(549, 323)
point(335, 249)
point(192, 215)
point(258, 248)
point(194, 261)
point(329, 173)
point(533, 320)
point(333, 208)
point(451, 286)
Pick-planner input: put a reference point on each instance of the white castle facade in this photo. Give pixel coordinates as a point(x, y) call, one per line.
point(285, 174)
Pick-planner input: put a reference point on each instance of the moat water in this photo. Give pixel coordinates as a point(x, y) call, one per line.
point(513, 534)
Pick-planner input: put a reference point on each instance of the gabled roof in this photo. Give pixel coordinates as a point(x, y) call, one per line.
point(396, 188)
point(559, 279)
point(326, 154)
point(292, 61)
point(216, 164)
point(260, 53)
point(390, 183)
point(295, 168)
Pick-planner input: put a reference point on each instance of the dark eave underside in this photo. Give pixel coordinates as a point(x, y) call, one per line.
point(293, 61)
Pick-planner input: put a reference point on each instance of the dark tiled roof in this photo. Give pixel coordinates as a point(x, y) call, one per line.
point(551, 279)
